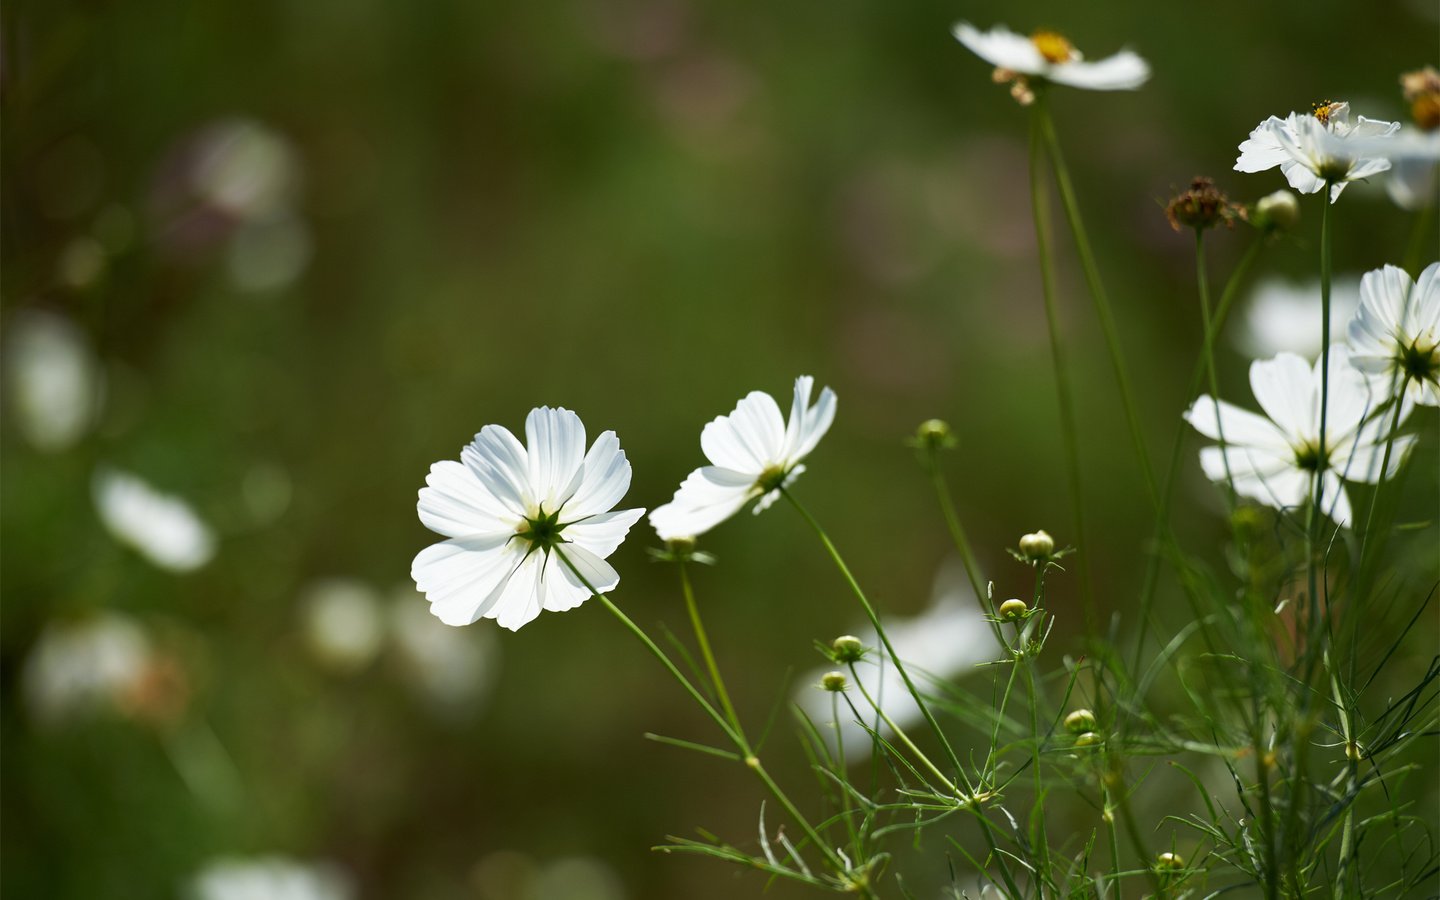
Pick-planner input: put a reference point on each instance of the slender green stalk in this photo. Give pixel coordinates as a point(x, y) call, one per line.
point(879, 628)
point(1208, 351)
point(957, 531)
point(1415, 247)
point(1036, 740)
point(1317, 499)
point(751, 761)
point(1069, 434)
point(1098, 295)
point(904, 738)
point(709, 657)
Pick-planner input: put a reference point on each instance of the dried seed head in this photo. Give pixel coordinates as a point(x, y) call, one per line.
point(1422, 92)
point(1201, 206)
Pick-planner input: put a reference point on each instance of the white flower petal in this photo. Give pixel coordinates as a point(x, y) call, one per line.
point(1236, 426)
point(1262, 150)
point(1363, 463)
point(523, 597)
point(814, 422)
point(457, 504)
point(1125, 71)
point(749, 439)
point(500, 461)
point(555, 440)
point(707, 497)
point(463, 577)
point(1002, 47)
point(606, 479)
point(1334, 502)
point(591, 568)
point(1285, 389)
point(601, 534)
point(163, 528)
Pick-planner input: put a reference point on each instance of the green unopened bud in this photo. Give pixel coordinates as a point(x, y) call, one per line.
point(833, 681)
point(1279, 211)
point(1088, 739)
point(933, 433)
point(683, 544)
point(1013, 608)
point(847, 648)
point(1038, 546)
point(1169, 862)
point(1080, 720)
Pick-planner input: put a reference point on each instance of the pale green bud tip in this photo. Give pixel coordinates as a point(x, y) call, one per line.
point(1087, 739)
point(833, 681)
point(1279, 211)
point(933, 432)
point(1354, 752)
point(1170, 861)
point(1037, 546)
point(682, 544)
point(1013, 608)
point(847, 648)
point(1080, 720)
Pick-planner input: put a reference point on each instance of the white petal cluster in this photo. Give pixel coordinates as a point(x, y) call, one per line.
point(1284, 316)
point(80, 667)
point(754, 453)
point(270, 878)
point(1273, 458)
point(163, 528)
point(53, 379)
point(1396, 333)
point(1314, 148)
point(1050, 57)
point(510, 510)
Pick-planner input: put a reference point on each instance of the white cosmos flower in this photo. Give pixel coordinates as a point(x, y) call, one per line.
point(77, 667)
point(270, 878)
point(754, 454)
point(1396, 333)
point(343, 624)
point(509, 512)
point(54, 380)
point(1414, 179)
point(1284, 316)
point(1048, 56)
point(163, 528)
point(1273, 460)
point(1316, 147)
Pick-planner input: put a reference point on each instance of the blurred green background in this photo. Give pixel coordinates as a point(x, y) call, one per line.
point(310, 248)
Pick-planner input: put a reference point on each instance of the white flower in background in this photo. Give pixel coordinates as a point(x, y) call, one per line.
point(1319, 146)
point(344, 627)
point(754, 453)
point(1414, 181)
point(1284, 316)
point(53, 380)
point(79, 667)
point(451, 670)
point(510, 875)
point(163, 528)
point(1396, 334)
point(244, 169)
point(946, 640)
point(270, 878)
point(1274, 460)
point(1048, 57)
point(509, 512)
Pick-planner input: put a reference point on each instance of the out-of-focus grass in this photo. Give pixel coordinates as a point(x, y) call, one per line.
point(637, 210)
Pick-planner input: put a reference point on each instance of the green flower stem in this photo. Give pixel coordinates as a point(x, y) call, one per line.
point(879, 628)
point(1098, 295)
point(709, 657)
point(751, 761)
point(1037, 740)
point(957, 531)
point(904, 738)
point(1162, 515)
point(1208, 351)
point(1415, 248)
point(1399, 401)
point(1312, 531)
point(1069, 439)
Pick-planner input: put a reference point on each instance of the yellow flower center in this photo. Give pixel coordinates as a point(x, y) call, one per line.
point(1054, 47)
point(1324, 110)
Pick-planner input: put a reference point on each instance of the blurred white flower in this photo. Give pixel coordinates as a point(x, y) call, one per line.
point(1414, 179)
point(948, 639)
point(244, 168)
point(508, 875)
point(1284, 316)
point(452, 670)
point(1047, 56)
point(509, 514)
point(344, 626)
point(754, 454)
point(54, 382)
point(1396, 333)
point(270, 878)
point(1274, 460)
point(80, 667)
point(1318, 147)
point(163, 528)
point(268, 253)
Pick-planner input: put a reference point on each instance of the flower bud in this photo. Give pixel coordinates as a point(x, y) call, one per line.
point(1013, 608)
point(680, 545)
point(1080, 720)
point(847, 648)
point(1353, 751)
point(933, 433)
point(1087, 739)
point(1279, 211)
point(1037, 547)
point(1169, 862)
point(833, 681)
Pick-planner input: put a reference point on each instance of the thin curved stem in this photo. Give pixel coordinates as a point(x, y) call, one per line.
point(957, 532)
point(704, 642)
